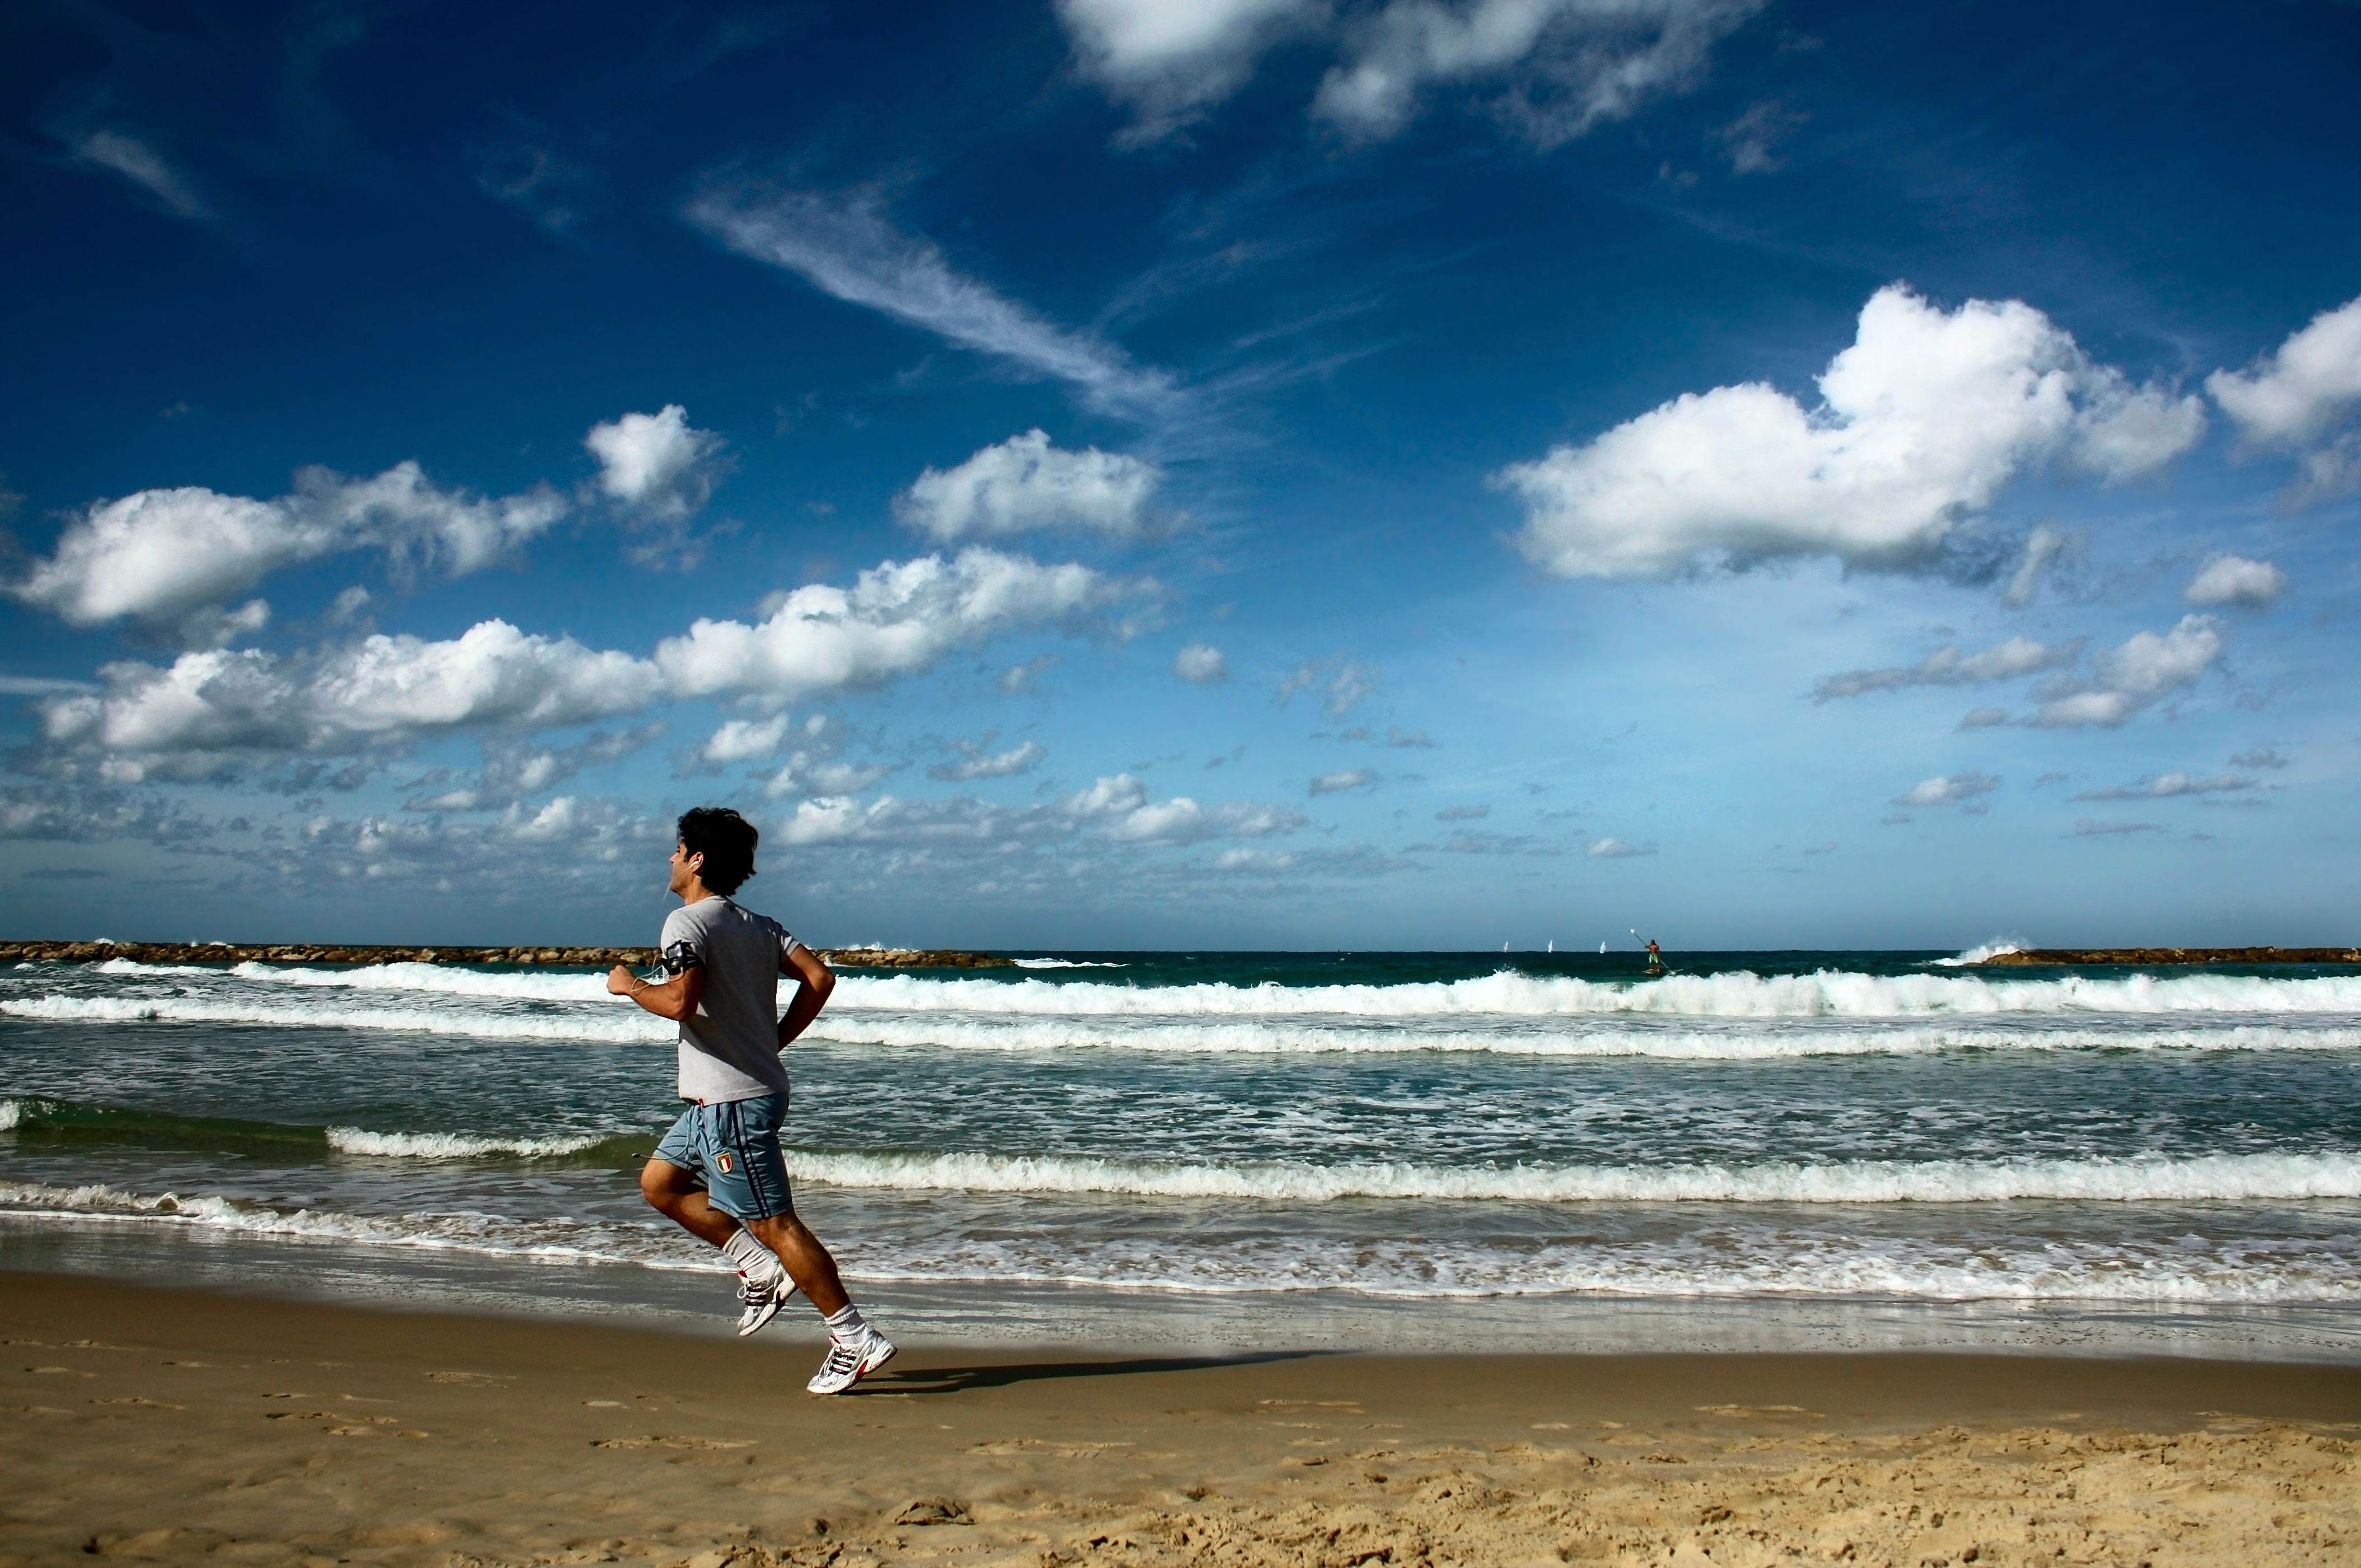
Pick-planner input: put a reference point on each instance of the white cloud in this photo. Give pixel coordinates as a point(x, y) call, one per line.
point(1025, 483)
point(1462, 814)
point(1342, 780)
point(1171, 60)
point(1922, 422)
point(2261, 757)
point(1201, 663)
point(1617, 849)
point(514, 770)
point(2091, 828)
point(80, 816)
point(1984, 718)
point(1553, 68)
point(657, 465)
point(41, 685)
point(842, 247)
point(1948, 790)
point(1115, 808)
point(2165, 786)
point(144, 166)
point(975, 763)
point(2044, 547)
point(897, 618)
point(1566, 65)
point(2233, 579)
point(815, 767)
point(744, 739)
point(1020, 677)
point(1753, 138)
point(2296, 399)
point(216, 710)
point(831, 778)
point(1182, 820)
point(160, 555)
point(557, 822)
point(2134, 676)
point(1348, 683)
point(1947, 666)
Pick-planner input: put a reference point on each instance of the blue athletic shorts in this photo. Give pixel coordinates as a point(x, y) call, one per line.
point(733, 1148)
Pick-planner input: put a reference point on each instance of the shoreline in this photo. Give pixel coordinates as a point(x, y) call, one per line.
point(144, 1422)
point(1019, 1314)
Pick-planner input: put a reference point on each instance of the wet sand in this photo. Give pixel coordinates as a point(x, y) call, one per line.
point(187, 1427)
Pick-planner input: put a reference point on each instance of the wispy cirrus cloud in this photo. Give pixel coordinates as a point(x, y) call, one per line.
point(1550, 70)
point(2166, 786)
point(1948, 789)
point(1947, 666)
point(842, 243)
point(144, 166)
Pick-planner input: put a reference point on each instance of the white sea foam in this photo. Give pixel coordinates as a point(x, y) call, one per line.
point(614, 1028)
point(450, 1146)
point(1569, 1038)
point(1507, 994)
point(1065, 963)
point(952, 1027)
point(1826, 993)
point(1977, 955)
point(2144, 1179)
point(923, 1241)
point(11, 1113)
point(521, 985)
point(554, 1239)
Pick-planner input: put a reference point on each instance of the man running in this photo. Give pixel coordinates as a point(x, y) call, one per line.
point(719, 1174)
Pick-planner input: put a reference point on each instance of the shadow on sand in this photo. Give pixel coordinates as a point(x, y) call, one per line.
point(959, 1379)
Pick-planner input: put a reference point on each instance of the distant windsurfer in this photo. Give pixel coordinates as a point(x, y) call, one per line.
point(719, 1174)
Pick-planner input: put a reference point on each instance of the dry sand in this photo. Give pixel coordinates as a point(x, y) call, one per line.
point(158, 1425)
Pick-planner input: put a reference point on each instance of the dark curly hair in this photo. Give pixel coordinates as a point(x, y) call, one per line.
point(727, 841)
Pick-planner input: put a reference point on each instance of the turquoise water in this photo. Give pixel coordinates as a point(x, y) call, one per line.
point(1544, 1129)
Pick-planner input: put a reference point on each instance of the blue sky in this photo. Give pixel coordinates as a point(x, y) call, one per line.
point(1241, 473)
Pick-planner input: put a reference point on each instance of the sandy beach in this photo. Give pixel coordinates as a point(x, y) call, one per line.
point(174, 1425)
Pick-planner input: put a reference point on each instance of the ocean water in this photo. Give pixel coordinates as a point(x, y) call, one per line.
point(1506, 1148)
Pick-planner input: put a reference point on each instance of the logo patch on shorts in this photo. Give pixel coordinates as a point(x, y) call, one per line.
point(726, 1162)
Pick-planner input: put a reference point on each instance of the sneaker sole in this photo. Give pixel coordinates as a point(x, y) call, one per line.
point(777, 1301)
point(863, 1369)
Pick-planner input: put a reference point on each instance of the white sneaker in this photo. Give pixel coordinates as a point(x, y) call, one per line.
point(849, 1363)
point(763, 1300)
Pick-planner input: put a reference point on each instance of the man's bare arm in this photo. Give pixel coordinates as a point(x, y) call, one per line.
point(815, 980)
point(676, 999)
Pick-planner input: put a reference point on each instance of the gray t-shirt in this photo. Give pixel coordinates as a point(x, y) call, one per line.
point(729, 1047)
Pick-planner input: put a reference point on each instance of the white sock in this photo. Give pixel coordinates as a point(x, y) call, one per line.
point(848, 1327)
point(754, 1260)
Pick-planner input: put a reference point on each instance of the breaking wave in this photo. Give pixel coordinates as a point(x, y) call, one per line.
point(2206, 1176)
point(65, 1121)
point(613, 1027)
point(1507, 994)
point(1977, 955)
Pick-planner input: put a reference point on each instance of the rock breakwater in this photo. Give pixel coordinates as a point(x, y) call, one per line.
point(538, 958)
point(2035, 955)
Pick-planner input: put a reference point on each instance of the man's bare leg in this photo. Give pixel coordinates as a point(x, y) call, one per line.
point(674, 1193)
point(807, 1263)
